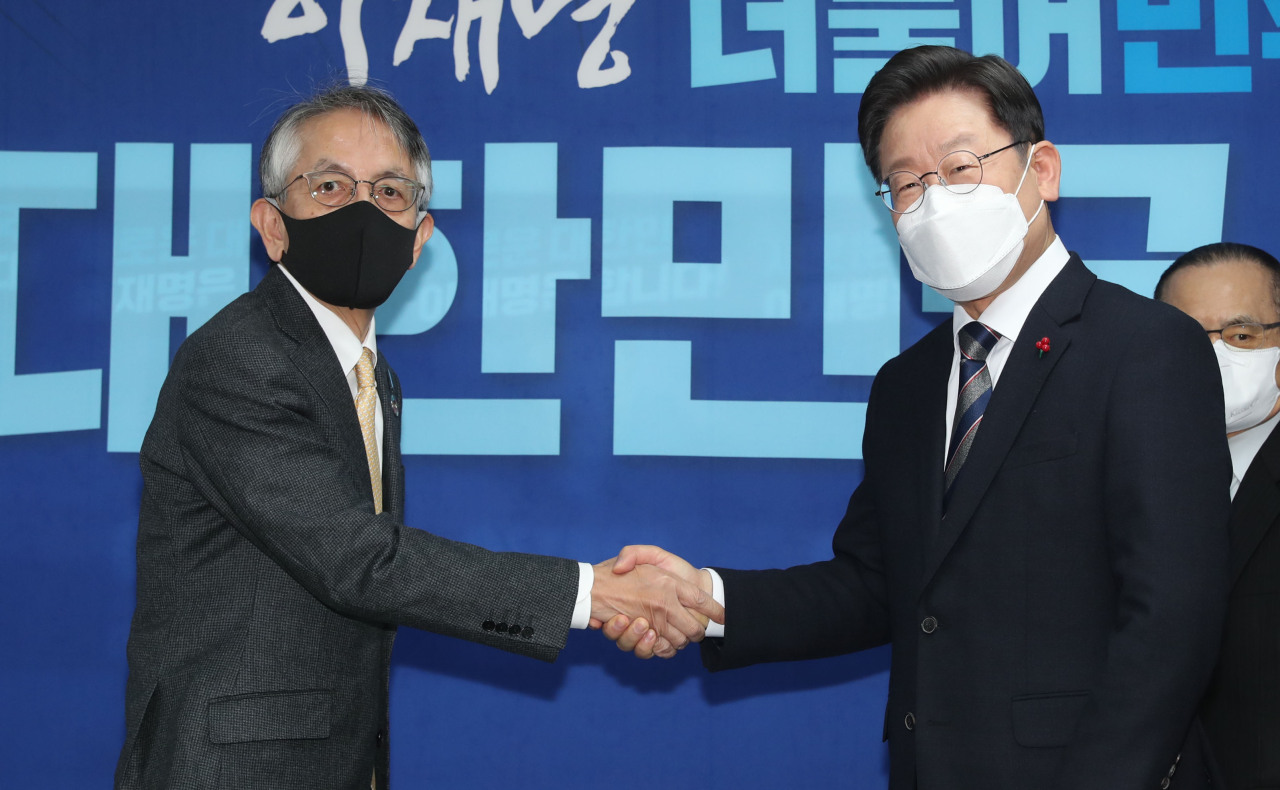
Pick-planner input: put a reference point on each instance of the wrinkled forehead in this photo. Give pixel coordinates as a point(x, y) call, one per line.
point(346, 135)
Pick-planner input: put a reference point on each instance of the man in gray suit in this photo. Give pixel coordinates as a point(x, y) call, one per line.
point(274, 564)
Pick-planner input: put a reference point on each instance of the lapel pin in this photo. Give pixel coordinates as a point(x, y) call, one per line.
point(1043, 345)
point(395, 403)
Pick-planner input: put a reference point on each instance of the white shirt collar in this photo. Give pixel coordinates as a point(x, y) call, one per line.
point(1008, 312)
point(345, 344)
point(1244, 447)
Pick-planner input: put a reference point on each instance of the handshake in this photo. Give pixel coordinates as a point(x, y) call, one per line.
point(651, 602)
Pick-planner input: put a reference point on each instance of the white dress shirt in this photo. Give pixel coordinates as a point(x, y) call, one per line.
point(1244, 446)
point(1006, 314)
point(348, 348)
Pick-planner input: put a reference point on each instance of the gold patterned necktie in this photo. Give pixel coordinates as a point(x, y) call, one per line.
point(366, 408)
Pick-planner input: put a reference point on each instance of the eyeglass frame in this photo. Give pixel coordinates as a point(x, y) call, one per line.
point(419, 187)
point(880, 193)
point(1221, 332)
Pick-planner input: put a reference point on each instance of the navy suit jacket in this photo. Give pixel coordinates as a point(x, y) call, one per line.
point(268, 589)
point(1056, 628)
point(1241, 710)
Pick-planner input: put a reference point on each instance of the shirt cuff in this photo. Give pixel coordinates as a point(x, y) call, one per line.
point(582, 606)
point(716, 630)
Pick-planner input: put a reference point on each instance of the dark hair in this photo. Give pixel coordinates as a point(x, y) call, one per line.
point(921, 71)
point(1223, 252)
point(280, 151)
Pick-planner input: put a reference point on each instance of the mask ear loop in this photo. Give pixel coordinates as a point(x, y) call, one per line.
point(1025, 169)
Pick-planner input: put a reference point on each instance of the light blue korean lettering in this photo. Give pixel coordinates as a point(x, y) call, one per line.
point(861, 270)
point(426, 293)
point(54, 401)
point(654, 413)
point(1171, 15)
point(640, 276)
point(1270, 39)
point(708, 63)
point(896, 30)
point(1081, 22)
point(1231, 27)
point(150, 284)
point(480, 426)
point(527, 250)
point(1187, 203)
point(1144, 74)
point(795, 19)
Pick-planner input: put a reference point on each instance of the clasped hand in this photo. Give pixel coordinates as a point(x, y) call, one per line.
point(651, 602)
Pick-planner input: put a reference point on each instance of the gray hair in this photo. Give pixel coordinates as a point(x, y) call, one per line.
point(284, 144)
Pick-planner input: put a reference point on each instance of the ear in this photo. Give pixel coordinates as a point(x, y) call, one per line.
point(266, 219)
point(425, 228)
point(1046, 163)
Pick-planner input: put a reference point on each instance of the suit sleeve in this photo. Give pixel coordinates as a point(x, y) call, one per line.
point(843, 599)
point(1166, 484)
point(263, 447)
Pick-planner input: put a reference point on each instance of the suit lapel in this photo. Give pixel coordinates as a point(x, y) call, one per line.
point(930, 430)
point(1256, 505)
point(314, 358)
point(1024, 375)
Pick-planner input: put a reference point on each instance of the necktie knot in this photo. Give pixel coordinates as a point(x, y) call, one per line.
point(976, 340)
point(364, 370)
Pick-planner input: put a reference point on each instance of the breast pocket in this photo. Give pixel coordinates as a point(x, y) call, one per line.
point(270, 716)
point(1040, 450)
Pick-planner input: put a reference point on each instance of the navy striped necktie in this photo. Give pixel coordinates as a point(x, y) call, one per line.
point(976, 341)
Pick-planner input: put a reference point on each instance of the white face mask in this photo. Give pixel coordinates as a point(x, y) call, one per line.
point(964, 246)
point(1248, 382)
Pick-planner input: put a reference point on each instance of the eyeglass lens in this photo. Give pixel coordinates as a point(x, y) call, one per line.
point(1244, 335)
point(959, 172)
point(332, 188)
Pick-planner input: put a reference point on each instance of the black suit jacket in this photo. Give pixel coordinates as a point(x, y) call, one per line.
point(1057, 627)
point(1241, 710)
point(268, 590)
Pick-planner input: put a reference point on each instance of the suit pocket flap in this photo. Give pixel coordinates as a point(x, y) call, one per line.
point(270, 716)
point(1043, 449)
point(1045, 720)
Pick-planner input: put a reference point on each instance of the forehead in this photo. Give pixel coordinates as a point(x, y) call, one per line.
point(920, 132)
point(1220, 293)
point(348, 138)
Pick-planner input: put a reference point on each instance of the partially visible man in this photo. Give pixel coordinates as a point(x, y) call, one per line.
point(273, 560)
point(1233, 290)
point(1040, 527)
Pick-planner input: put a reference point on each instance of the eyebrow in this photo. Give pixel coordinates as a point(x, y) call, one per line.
point(1242, 319)
point(328, 164)
point(952, 144)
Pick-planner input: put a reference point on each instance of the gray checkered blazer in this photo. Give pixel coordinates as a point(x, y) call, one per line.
point(268, 590)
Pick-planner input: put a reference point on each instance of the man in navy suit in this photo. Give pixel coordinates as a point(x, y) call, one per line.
point(1233, 290)
point(1040, 529)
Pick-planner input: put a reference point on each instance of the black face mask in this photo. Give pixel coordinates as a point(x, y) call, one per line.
point(352, 257)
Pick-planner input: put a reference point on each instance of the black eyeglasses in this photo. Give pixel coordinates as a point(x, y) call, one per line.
point(959, 172)
point(1243, 335)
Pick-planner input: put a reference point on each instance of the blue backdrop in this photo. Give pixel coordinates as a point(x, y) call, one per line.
point(658, 291)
